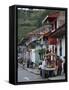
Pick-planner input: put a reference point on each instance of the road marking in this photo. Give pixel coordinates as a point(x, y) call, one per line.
point(26, 78)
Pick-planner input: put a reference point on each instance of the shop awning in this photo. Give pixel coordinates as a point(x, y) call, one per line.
point(58, 32)
point(52, 41)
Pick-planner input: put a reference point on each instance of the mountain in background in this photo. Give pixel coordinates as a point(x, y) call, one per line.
point(29, 20)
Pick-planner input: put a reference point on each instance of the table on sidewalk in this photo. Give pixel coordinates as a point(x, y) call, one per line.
point(50, 71)
point(49, 68)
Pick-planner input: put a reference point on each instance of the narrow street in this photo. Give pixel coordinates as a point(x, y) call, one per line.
point(24, 75)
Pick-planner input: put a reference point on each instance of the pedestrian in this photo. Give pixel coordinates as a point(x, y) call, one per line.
point(28, 58)
point(59, 64)
point(63, 64)
point(40, 68)
point(44, 65)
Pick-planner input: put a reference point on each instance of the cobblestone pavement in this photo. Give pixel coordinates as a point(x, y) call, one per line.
point(28, 74)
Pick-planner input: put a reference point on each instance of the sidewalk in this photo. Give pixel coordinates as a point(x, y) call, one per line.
point(32, 70)
point(37, 72)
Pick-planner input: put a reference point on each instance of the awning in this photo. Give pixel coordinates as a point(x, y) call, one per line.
point(51, 17)
point(52, 41)
point(58, 32)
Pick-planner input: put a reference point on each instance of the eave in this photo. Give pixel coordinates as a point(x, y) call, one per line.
point(58, 32)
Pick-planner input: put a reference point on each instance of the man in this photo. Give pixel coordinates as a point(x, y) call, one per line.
point(28, 59)
point(59, 64)
point(44, 65)
point(40, 66)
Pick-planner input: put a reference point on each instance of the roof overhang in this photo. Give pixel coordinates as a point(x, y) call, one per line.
point(51, 17)
point(58, 32)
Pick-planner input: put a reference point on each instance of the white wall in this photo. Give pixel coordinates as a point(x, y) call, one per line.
point(58, 47)
point(63, 46)
point(50, 47)
point(32, 55)
point(38, 47)
point(61, 19)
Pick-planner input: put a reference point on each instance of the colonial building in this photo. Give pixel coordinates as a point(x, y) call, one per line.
point(56, 37)
point(51, 35)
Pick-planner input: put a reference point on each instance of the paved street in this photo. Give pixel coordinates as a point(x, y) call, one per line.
point(24, 75)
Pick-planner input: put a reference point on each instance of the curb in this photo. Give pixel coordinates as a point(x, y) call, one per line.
point(32, 72)
point(28, 70)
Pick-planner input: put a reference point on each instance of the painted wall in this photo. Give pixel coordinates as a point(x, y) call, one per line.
point(63, 47)
point(61, 19)
point(58, 48)
point(32, 55)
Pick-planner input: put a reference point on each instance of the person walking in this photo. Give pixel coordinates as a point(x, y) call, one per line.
point(44, 65)
point(40, 68)
point(28, 59)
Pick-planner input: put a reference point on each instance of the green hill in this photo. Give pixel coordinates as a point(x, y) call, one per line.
point(29, 20)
